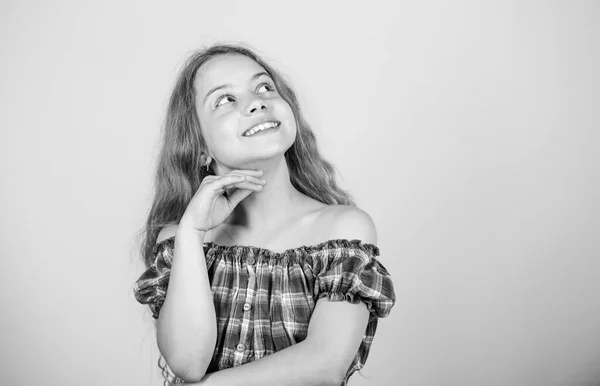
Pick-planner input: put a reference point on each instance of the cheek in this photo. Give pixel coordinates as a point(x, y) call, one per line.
point(213, 131)
point(292, 123)
point(222, 133)
point(287, 113)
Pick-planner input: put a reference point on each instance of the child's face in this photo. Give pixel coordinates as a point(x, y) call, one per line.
point(248, 98)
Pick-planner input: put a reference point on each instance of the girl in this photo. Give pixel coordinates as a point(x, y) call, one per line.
point(268, 263)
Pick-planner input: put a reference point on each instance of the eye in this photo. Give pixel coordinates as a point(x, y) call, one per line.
point(266, 85)
point(224, 97)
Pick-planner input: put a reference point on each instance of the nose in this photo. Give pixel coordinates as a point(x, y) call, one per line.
point(256, 105)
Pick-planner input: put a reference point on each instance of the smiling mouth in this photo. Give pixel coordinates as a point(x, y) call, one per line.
point(261, 127)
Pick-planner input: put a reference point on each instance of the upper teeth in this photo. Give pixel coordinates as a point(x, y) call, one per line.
point(262, 126)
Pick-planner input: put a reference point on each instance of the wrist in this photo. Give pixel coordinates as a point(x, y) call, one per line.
point(185, 228)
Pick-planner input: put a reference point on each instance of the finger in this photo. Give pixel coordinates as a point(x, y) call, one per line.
point(255, 180)
point(251, 172)
point(237, 196)
point(244, 185)
point(226, 180)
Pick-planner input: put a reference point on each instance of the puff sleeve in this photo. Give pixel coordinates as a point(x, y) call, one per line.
point(151, 287)
point(350, 271)
point(353, 273)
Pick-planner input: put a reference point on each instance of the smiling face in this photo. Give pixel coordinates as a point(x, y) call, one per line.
point(235, 96)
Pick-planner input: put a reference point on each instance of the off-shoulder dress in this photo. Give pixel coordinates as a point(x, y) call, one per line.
point(264, 299)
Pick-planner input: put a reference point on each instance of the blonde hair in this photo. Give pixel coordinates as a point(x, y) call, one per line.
point(179, 171)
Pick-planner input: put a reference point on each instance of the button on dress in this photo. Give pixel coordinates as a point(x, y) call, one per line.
point(264, 299)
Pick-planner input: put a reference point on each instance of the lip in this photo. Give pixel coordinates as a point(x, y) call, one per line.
point(259, 123)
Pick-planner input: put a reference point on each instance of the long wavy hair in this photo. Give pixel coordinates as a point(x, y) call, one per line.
point(179, 171)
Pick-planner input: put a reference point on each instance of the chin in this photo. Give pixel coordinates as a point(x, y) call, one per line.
point(272, 150)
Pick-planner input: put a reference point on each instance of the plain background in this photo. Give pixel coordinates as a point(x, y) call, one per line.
point(468, 130)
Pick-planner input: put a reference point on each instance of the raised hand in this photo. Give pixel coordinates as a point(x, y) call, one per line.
point(209, 207)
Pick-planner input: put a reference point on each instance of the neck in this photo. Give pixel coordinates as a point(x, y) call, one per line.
point(272, 205)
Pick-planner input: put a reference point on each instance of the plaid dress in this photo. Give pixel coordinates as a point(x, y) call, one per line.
point(264, 300)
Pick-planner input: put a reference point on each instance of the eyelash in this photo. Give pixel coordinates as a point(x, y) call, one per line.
point(272, 88)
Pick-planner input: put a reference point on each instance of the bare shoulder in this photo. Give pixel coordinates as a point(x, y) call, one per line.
point(349, 222)
point(166, 232)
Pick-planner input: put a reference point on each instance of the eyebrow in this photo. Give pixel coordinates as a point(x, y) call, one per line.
point(255, 76)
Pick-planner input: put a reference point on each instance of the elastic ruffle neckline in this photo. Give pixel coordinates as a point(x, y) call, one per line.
point(304, 249)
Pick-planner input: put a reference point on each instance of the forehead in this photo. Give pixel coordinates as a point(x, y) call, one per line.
point(225, 69)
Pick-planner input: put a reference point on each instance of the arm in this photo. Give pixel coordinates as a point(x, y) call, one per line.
point(186, 329)
point(335, 331)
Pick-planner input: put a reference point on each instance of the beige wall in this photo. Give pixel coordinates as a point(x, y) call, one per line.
point(468, 130)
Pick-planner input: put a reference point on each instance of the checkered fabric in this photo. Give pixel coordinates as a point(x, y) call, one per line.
point(264, 300)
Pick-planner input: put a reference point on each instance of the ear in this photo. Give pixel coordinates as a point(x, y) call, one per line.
point(205, 159)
